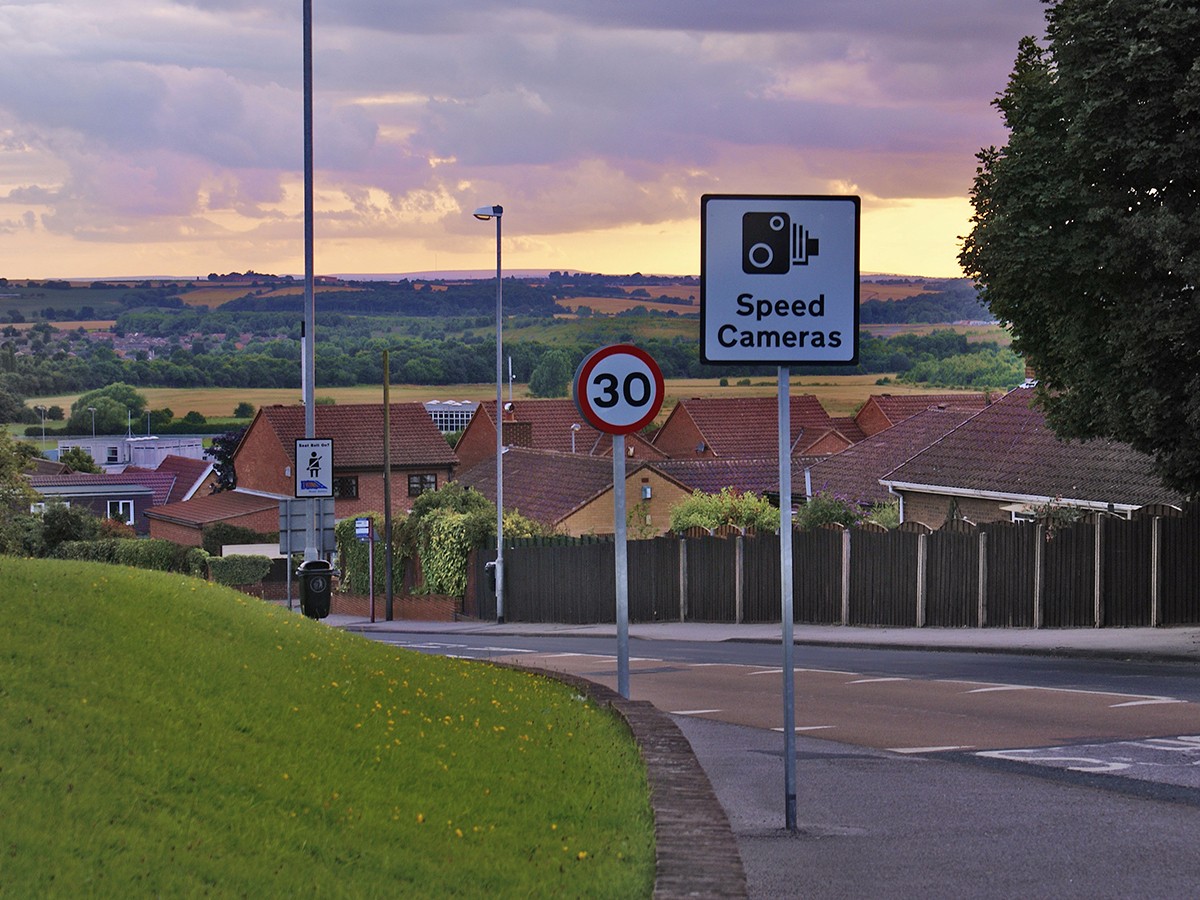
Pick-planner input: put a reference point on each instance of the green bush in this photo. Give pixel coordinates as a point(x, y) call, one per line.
point(239, 569)
point(729, 507)
point(827, 509)
point(216, 536)
point(149, 553)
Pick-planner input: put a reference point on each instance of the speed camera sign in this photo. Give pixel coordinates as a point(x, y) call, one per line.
point(619, 389)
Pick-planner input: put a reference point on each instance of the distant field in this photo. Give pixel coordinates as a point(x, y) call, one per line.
point(85, 324)
point(212, 297)
point(975, 333)
point(870, 290)
point(841, 395)
point(611, 305)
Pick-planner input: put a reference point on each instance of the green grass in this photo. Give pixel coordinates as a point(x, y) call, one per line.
point(160, 735)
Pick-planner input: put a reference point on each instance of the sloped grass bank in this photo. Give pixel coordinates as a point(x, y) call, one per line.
point(163, 735)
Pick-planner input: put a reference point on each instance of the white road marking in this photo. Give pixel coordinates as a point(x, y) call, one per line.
point(692, 712)
point(766, 672)
point(875, 680)
point(806, 728)
point(1000, 687)
point(929, 749)
point(1152, 701)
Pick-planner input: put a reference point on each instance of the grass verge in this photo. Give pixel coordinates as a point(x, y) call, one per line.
point(163, 735)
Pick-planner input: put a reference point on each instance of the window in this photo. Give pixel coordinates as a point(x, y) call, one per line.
point(345, 487)
point(121, 510)
point(419, 484)
point(110, 458)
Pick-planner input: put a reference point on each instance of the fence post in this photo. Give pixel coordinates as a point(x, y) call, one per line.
point(683, 580)
point(1155, 563)
point(1038, 559)
point(922, 550)
point(1098, 596)
point(739, 573)
point(846, 576)
point(983, 576)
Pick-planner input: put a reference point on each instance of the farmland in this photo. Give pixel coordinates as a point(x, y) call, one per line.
point(841, 395)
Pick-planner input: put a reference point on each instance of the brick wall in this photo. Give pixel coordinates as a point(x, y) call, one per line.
point(871, 418)
point(931, 509)
point(417, 607)
point(597, 516)
point(477, 443)
point(679, 437)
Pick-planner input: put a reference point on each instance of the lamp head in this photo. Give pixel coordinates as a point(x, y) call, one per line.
point(484, 213)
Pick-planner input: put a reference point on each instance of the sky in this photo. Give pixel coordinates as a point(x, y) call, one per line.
point(147, 137)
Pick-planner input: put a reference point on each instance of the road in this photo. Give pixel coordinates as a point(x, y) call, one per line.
point(926, 774)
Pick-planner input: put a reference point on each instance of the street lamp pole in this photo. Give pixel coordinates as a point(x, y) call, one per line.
point(42, 410)
point(484, 213)
point(92, 410)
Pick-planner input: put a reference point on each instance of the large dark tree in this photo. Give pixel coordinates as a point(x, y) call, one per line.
point(1087, 224)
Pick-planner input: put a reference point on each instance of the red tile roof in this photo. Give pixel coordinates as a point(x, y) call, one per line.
point(540, 484)
point(551, 420)
point(855, 472)
point(1007, 451)
point(748, 427)
point(189, 473)
point(898, 407)
point(357, 433)
point(208, 508)
point(159, 483)
point(712, 475)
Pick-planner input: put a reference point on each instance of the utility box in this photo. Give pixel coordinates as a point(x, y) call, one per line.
point(316, 583)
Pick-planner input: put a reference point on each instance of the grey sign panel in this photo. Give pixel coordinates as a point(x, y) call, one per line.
point(779, 279)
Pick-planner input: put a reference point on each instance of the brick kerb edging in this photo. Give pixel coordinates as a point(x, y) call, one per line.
point(696, 854)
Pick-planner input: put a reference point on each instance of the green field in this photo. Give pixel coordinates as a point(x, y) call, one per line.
point(163, 736)
point(841, 395)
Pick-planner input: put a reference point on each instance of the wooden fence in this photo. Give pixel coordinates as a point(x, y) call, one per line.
point(1106, 572)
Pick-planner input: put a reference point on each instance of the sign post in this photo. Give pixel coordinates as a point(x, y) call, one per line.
point(619, 390)
point(364, 530)
point(779, 286)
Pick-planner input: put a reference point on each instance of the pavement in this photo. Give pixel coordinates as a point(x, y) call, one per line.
point(714, 788)
point(1164, 644)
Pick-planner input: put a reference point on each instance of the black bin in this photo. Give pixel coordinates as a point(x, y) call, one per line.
point(316, 581)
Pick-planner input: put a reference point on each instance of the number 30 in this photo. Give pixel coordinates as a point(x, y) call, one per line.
point(607, 382)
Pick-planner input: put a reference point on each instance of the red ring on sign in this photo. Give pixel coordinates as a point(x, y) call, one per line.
point(583, 376)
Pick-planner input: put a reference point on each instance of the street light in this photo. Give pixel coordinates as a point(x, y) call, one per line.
point(484, 213)
point(92, 410)
point(574, 431)
point(42, 410)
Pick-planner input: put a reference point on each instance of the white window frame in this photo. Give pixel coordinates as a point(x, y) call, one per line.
point(124, 511)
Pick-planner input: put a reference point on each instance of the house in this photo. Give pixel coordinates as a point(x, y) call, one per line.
point(192, 476)
point(573, 492)
point(553, 424)
point(126, 498)
point(1004, 461)
point(885, 410)
point(855, 472)
point(421, 460)
point(747, 428)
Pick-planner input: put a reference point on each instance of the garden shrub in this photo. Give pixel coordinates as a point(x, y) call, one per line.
point(239, 569)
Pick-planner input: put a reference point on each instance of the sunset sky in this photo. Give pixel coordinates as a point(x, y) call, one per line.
point(145, 137)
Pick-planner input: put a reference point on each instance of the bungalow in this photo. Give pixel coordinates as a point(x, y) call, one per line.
point(573, 492)
point(1003, 462)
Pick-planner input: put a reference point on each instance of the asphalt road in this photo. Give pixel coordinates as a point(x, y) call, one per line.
point(926, 774)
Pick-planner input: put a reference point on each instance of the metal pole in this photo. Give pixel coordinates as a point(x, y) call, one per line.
point(388, 586)
point(499, 434)
point(309, 337)
point(785, 579)
point(622, 565)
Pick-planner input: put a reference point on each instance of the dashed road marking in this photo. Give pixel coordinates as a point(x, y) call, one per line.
point(693, 712)
point(875, 680)
point(914, 750)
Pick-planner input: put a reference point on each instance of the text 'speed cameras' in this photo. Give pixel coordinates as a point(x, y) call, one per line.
point(772, 243)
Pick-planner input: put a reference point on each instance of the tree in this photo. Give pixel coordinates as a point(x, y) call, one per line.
point(221, 451)
point(243, 410)
point(79, 460)
point(552, 376)
point(115, 406)
point(1086, 232)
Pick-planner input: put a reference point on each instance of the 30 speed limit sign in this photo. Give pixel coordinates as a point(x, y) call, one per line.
point(619, 389)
